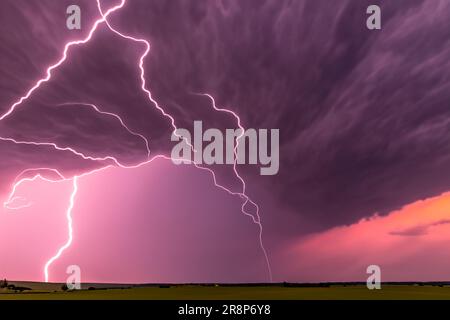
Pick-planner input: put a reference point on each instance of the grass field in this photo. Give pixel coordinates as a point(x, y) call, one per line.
point(42, 291)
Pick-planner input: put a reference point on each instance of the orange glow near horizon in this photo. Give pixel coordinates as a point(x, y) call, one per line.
point(407, 244)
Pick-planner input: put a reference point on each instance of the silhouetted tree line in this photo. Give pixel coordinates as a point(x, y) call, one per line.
point(4, 284)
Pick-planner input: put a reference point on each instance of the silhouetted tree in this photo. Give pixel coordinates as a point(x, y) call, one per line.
point(3, 283)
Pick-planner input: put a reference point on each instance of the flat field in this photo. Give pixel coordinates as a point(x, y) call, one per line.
point(44, 291)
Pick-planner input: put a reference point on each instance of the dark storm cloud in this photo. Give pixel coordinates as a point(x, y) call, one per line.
point(419, 230)
point(363, 115)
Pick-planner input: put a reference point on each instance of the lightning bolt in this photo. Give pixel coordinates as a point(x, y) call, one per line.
point(122, 123)
point(256, 218)
point(70, 222)
point(8, 205)
point(60, 61)
point(243, 194)
point(17, 182)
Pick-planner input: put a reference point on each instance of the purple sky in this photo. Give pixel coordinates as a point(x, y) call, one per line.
point(363, 118)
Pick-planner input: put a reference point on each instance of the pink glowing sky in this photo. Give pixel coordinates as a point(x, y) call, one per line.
point(171, 236)
point(174, 236)
point(408, 244)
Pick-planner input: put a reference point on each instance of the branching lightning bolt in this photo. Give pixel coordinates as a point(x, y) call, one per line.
point(243, 194)
point(70, 221)
point(93, 106)
point(18, 181)
point(61, 60)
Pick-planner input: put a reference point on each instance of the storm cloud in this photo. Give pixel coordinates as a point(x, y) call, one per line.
point(363, 115)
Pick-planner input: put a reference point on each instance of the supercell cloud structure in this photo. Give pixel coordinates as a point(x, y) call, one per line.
point(363, 116)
